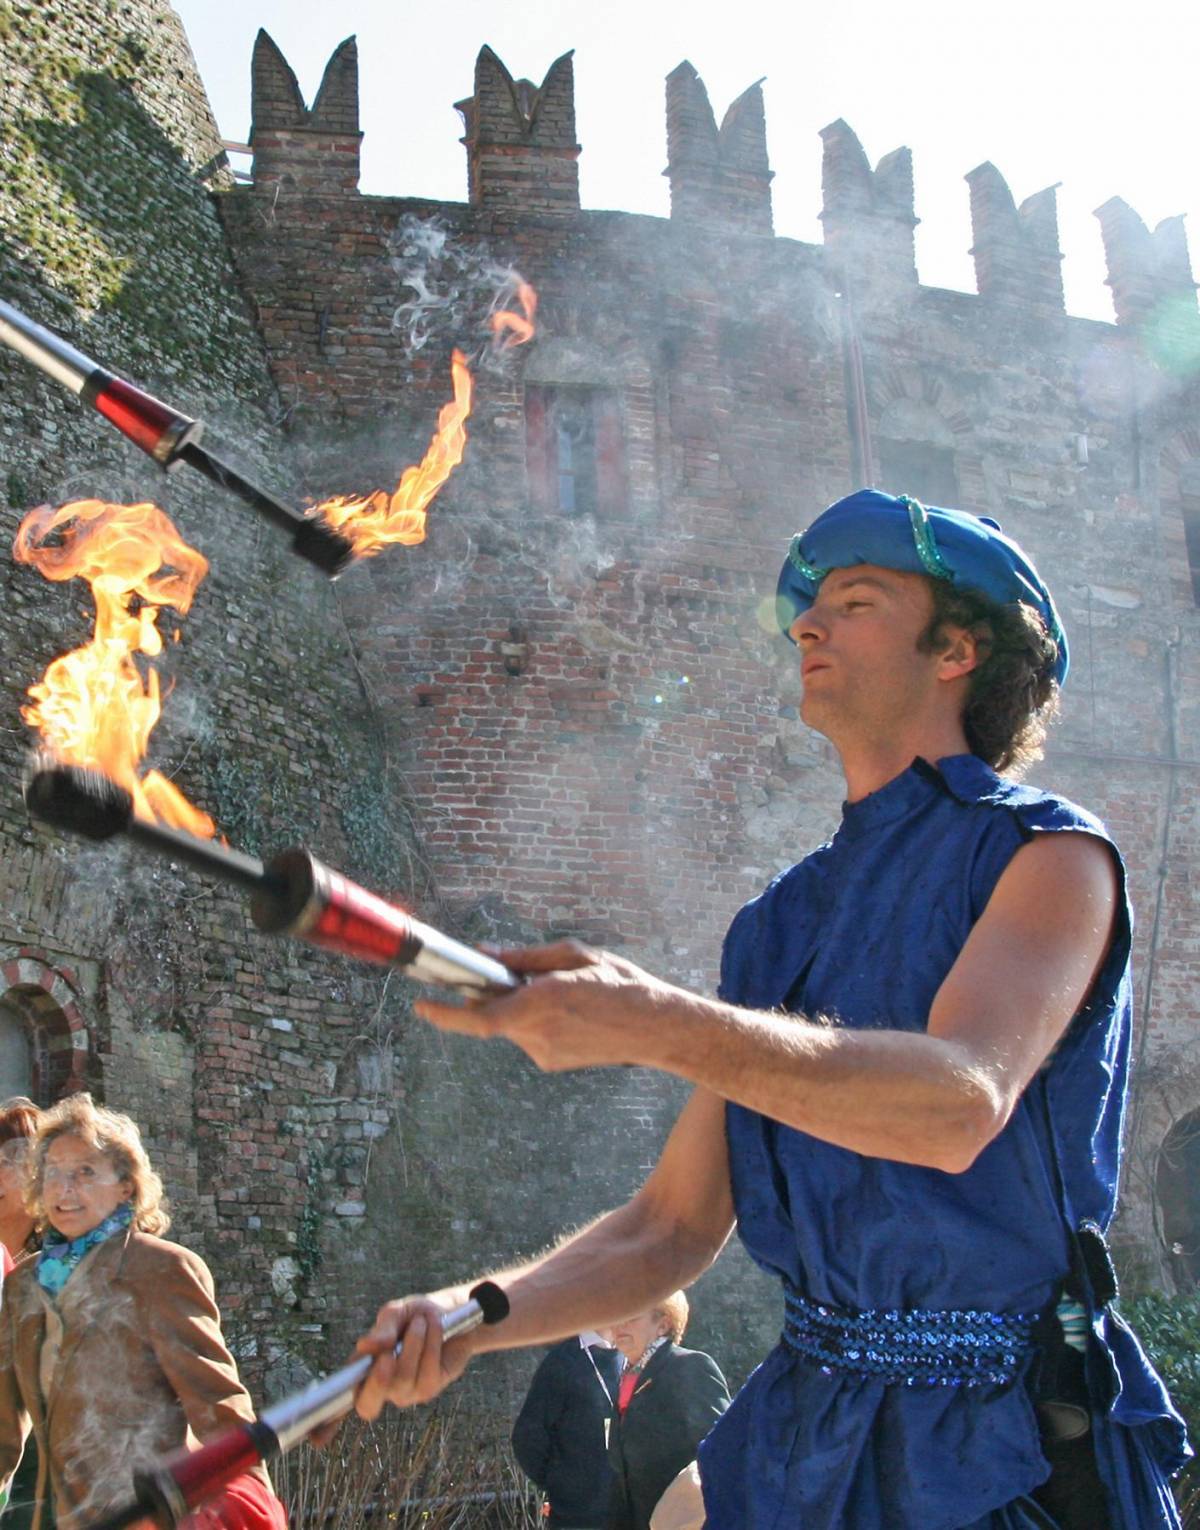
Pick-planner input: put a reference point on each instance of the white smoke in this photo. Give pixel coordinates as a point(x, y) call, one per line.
point(451, 288)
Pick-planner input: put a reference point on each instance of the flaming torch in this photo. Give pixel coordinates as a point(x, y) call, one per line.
point(294, 894)
point(163, 433)
point(92, 707)
point(167, 1493)
point(330, 535)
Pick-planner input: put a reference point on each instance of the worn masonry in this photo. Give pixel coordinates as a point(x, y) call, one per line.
point(567, 711)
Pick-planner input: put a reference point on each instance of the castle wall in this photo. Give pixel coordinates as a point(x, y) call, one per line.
point(594, 712)
point(320, 1148)
point(535, 721)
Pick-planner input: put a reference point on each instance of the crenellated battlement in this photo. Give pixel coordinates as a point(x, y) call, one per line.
point(298, 148)
point(522, 159)
point(1016, 253)
point(867, 215)
point(520, 138)
point(718, 175)
point(1146, 271)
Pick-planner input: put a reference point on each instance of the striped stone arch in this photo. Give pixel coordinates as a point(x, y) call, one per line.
point(46, 1000)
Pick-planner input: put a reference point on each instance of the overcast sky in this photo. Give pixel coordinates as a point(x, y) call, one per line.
point(1099, 96)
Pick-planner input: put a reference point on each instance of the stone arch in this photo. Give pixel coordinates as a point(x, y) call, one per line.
point(40, 1003)
point(920, 433)
point(1177, 1187)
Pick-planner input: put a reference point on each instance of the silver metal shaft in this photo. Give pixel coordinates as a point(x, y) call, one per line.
point(448, 962)
point(294, 1418)
point(55, 357)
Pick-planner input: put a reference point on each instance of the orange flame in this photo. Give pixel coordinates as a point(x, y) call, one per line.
point(92, 707)
point(379, 519)
point(382, 518)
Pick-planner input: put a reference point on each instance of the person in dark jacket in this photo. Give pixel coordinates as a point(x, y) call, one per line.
point(668, 1400)
point(560, 1434)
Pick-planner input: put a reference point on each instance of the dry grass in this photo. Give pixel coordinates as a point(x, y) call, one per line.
point(419, 1470)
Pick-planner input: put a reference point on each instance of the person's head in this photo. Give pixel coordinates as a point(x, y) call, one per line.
point(668, 1319)
point(87, 1161)
point(908, 615)
point(19, 1118)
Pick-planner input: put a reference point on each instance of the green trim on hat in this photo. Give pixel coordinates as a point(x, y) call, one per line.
point(796, 559)
point(927, 549)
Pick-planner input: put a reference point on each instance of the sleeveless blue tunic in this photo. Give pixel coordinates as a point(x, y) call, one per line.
point(862, 933)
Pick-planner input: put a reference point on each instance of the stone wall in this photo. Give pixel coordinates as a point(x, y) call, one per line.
point(593, 711)
point(534, 721)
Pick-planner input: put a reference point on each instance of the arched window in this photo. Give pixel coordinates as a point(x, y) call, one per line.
point(1179, 1198)
point(914, 449)
point(44, 1043)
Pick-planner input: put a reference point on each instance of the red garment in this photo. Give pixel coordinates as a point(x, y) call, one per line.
point(627, 1387)
point(243, 1504)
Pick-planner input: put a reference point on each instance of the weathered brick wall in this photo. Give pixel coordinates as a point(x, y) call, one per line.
point(594, 713)
point(321, 1149)
point(530, 722)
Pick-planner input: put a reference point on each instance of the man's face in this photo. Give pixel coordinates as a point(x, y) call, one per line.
point(861, 668)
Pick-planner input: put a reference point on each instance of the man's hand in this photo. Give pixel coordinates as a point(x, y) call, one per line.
point(579, 1008)
point(424, 1366)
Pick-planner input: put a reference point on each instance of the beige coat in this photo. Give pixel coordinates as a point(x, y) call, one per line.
point(131, 1367)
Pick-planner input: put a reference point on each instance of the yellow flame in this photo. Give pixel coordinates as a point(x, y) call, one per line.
point(92, 706)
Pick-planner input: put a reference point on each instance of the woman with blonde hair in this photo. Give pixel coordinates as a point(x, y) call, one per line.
point(110, 1340)
point(667, 1401)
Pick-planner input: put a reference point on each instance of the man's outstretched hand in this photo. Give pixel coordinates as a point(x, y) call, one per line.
point(578, 1008)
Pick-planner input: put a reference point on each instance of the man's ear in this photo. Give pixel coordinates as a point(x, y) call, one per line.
point(961, 654)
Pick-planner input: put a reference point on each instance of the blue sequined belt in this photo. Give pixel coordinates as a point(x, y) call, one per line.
point(916, 1347)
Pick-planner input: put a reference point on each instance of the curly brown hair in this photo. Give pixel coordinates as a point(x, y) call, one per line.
point(116, 1136)
point(1013, 694)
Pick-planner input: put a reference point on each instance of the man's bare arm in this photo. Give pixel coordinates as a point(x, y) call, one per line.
point(669, 1233)
point(934, 1097)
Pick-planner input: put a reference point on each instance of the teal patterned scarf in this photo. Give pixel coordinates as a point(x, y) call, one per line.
point(60, 1256)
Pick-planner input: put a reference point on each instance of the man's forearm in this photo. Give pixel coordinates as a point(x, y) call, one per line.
point(889, 1094)
point(619, 1265)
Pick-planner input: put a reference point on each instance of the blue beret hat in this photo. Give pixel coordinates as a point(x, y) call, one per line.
point(968, 551)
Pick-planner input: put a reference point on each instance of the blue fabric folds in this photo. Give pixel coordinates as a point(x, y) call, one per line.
point(862, 933)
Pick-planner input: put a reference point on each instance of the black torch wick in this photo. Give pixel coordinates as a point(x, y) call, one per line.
point(163, 433)
point(170, 1491)
point(293, 894)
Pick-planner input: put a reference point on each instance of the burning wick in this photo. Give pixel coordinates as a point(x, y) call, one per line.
point(516, 328)
point(294, 894)
point(331, 534)
point(380, 519)
point(169, 1492)
point(92, 706)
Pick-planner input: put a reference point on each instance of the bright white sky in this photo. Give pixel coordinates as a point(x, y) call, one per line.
point(1098, 95)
